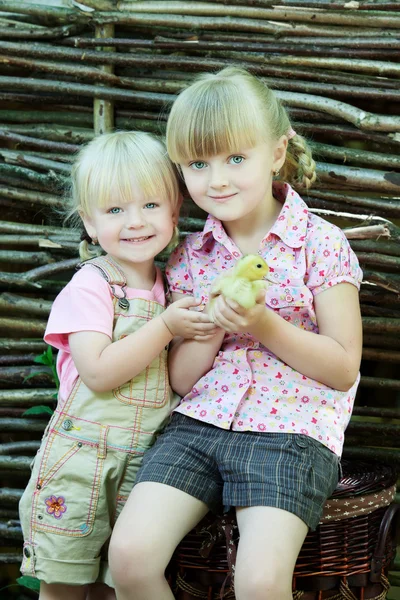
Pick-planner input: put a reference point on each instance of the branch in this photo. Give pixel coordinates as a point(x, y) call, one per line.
point(31, 197)
point(369, 179)
point(76, 72)
point(383, 280)
point(20, 345)
point(52, 269)
point(42, 230)
point(29, 425)
point(12, 303)
point(29, 447)
point(12, 257)
point(373, 259)
point(81, 89)
point(387, 341)
point(66, 117)
point(362, 157)
point(36, 143)
point(22, 327)
point(103, 110)
point(345, 5)
point(77, 135)
point(337, 207)
point(46, 33)
point(379, 246)
point(49, 14)
point(386, 356)
point(24, 359)
point(343, 133)
point(15, 281)
point(27, 160)
point(359, 118)
point(50, 180)
point(379, 311)
point(15, 463)
point(381, 383)
point(10, 496)
point(348, 18)
point(30, 397)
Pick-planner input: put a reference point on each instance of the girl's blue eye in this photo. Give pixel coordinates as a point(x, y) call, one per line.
point(198, 165)
point(151, 205)
point(236, 160)
point(115, 210)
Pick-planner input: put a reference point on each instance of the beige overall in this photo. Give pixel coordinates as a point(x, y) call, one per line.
point(89, 457)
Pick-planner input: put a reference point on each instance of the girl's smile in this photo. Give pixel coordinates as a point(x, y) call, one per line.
point(137, 240)
point(222, 199)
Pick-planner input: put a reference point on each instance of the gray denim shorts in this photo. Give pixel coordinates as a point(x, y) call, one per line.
point(225, 468)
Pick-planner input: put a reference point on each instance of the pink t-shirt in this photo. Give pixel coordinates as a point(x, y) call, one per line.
point(86, 304)
point(248, 387)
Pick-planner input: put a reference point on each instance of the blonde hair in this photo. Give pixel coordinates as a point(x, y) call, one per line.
point(107, 165)
point(229, 110)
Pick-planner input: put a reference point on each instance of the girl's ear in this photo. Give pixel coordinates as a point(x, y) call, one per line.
point(175, 217)
point(88, 223)
point(280, 153)
point(176, 210)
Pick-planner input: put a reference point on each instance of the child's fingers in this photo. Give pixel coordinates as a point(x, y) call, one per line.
point(207, 327)
point(229, 313)
point(203, 338)
point(206, 335)
point(260, 298)
point(222, 321)
point(187, 302)
point(235, 306)
point(198, 317)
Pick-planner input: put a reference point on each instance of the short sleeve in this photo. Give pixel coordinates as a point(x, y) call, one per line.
point(330, 259)
point(85, 304)
point(178, 271)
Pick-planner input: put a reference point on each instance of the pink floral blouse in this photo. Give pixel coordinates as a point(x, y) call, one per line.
point(248, 387)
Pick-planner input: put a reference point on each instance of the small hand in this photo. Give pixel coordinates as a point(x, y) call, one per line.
point(233, 318)
point(189, 324)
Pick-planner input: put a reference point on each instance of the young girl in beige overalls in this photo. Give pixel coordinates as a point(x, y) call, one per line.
point(112, 331)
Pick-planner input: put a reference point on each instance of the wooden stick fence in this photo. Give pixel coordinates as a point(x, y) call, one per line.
point(67, 74)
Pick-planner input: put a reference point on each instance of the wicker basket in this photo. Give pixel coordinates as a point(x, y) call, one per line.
point(344, 559)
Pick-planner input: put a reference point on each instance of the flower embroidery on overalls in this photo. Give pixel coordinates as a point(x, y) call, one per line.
point(55, 506)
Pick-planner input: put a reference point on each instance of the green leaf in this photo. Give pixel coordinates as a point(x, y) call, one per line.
point(29, 582)
point(46, 358)
point(40, 359)
point(37, 410)
point(31, 375)
point(49, 354)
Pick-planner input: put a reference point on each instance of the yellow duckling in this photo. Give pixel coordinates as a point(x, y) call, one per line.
point(243, 282)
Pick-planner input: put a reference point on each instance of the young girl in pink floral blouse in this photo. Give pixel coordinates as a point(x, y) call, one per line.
point(266, 400)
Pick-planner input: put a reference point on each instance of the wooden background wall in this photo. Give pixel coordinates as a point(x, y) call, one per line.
point(336, 66)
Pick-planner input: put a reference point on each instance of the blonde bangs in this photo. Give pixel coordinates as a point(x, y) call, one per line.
point(211, 117)
point(110, 167)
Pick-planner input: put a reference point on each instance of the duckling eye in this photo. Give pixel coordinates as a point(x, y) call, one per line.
point(259, 266)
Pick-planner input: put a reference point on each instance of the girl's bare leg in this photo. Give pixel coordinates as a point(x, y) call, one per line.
point(58, 591)
point(152, 523)
point(270, 541)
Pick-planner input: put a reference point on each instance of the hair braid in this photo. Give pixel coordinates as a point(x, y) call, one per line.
point(299, 168)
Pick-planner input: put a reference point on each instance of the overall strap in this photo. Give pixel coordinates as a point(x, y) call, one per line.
point(111, 272)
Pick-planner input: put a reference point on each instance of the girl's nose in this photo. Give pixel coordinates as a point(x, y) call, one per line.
point(218, 178)
point(135, 219)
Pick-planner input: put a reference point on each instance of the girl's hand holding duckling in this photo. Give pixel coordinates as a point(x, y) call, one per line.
point(186, 323)
point(233, 318)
